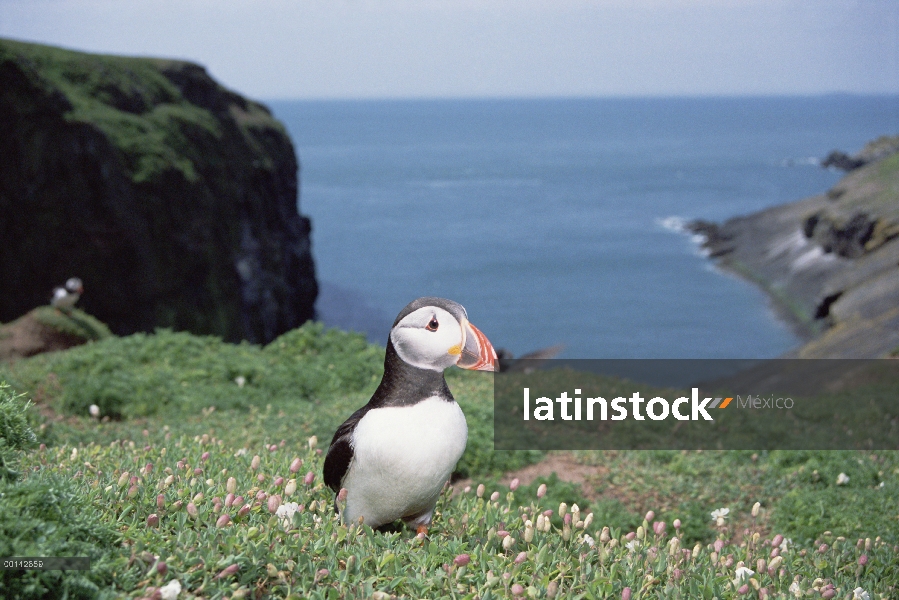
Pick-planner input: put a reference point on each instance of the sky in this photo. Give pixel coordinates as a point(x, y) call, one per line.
point(280, 49)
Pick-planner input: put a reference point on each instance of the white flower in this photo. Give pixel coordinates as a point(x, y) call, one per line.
point(795, 589)
point(240, 452)
point(589, 540)
point(842, 479)
point(632, 545)
point(170, 590)
point(286, 512)
point(743, 573)
point(240, 380)
point(784, 545)
point(860, 594)
point(94, 410)
point(881, 484)
point(720, 513)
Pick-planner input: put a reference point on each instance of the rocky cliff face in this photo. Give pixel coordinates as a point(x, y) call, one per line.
point(172, 198)
point(831, 260)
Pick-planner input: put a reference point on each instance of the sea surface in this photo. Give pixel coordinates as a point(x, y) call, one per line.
point(559, 221)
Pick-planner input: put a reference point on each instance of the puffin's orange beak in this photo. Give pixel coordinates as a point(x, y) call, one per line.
point(477, 352)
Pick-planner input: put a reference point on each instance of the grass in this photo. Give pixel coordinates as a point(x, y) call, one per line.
point(144, 490)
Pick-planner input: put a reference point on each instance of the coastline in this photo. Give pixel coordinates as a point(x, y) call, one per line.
point(829, 263)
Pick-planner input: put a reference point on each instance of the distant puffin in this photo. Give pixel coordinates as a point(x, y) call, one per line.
point(394, 454)
point(64, 298)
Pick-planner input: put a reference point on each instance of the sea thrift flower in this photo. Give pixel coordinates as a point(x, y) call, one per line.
point(541, 491)
point(514, 485)
point(229, 570)
point(720, 514)
point(461, 560)
point(842, 479)
point(170, 590)
point(285, 514)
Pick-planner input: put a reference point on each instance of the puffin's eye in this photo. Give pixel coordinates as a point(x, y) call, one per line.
point(432, 326)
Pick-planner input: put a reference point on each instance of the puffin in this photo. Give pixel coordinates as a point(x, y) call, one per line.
point(64, 298)
point(394, 455)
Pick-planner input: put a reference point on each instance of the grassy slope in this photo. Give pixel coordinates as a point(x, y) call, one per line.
point(159, 390)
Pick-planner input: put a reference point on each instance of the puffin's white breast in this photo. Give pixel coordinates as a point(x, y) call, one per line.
point(402, 456)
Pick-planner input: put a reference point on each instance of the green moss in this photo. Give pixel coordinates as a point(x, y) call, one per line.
point(15, 433)
point(73, 322)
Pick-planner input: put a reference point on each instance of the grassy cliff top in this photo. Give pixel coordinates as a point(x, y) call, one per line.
point(146, 106)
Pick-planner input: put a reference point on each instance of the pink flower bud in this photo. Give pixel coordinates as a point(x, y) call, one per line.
point(630, 536)
point(261, 495)
point(273, 447)
point(223, 520)
point(279, 481)
point(567, 519)
point(650, 516)
point(743, 590)
point(274, 502)
point(548, 512)
point(198, 471)
point(153, 520)
point(237, 500)
point(719, 544)
point(254, 464)
point(134, 480)
point(230, 570)
point(863, 559)
point(514, 485)
point(775, 552)
point(502, 533)
point(522, 556)
point(541, 491)
point(342, 494)
point(626, 594)
point(260, 478)
point(192, 509)
point(160, 501)
point(777, 541)
point(229, 499)
point(517, 589)
point(461, 560)
point(494, 496)
point(243, 510)
point(659, 527)
point(205, 456)
point(822, 548)
point(132, 491)
point(148, 467)
point(310, 477)
point(162, 568)
point(295, 465)
point(677, 524)
point(828, 593)
point(180, 464)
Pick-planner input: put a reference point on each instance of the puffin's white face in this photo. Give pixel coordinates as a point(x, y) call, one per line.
point(428, 338)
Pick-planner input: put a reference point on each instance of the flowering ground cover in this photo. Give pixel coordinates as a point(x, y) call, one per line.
point(199, 475)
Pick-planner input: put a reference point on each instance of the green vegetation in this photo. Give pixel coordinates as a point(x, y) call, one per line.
point(73, 322)
point(149, 489)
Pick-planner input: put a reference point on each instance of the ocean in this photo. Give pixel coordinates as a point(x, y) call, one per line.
point(559, 221)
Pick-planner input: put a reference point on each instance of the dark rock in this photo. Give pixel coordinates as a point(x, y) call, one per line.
point(842, 161)
point(172, 198)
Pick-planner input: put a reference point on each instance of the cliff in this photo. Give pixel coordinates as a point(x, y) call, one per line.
point(171, 197)
point(832, 261)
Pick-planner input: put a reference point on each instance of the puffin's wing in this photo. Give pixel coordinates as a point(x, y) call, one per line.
point(340, 453)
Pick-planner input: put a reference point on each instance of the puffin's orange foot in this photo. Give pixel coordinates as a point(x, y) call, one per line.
point(422, 530)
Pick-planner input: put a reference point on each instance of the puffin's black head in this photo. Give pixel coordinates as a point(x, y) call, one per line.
point(434, 334)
